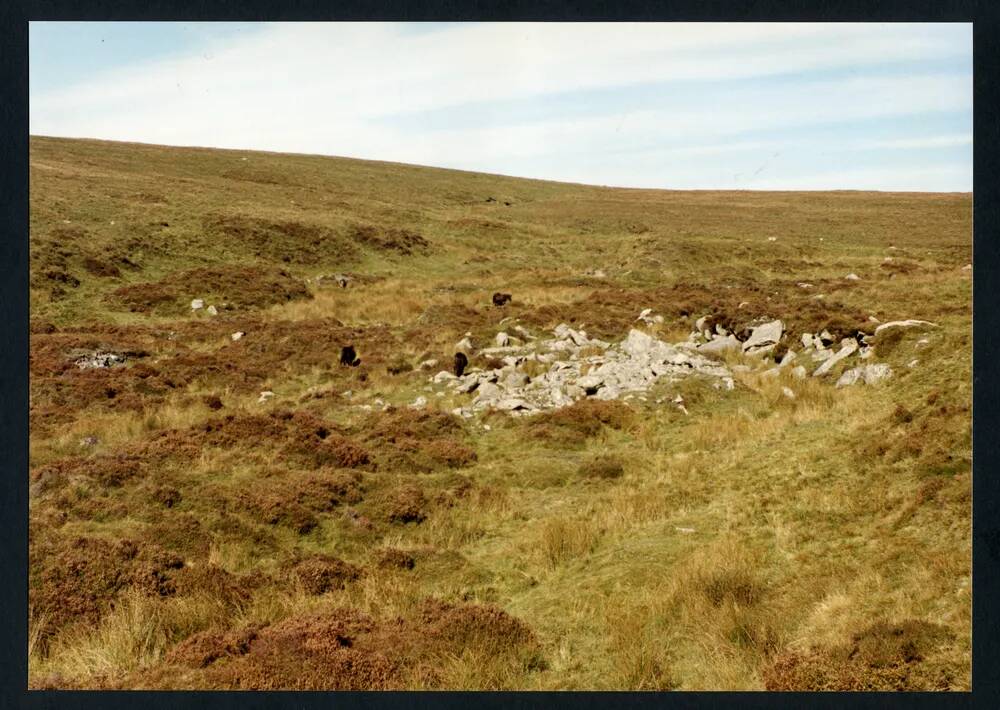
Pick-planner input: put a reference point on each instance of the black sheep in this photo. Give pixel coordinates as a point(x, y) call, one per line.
point(501, 299)
point(349, 357)
point(460, 364)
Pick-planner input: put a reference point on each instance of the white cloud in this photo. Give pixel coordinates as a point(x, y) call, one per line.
point(326, 88)
point(925, 142)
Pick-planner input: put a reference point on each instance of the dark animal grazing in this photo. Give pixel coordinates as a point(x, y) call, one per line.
point(501, 299)
point(460, 364)
point(349, 357)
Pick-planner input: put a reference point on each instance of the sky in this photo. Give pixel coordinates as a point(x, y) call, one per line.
point(776, 106)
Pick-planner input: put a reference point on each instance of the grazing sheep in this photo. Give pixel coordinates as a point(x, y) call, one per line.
point(461, 361)
point(349, 357)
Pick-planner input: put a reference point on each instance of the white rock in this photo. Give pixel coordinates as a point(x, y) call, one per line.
point(502, 340)
point(788, 392)
point(772, 239)
point(852, 277)
point(212, 311)
point(720, 345)
point(799, 372)
point(197, 304)
point(418, 402)
point(844, 352)
point(700, 323)
point(873, 319)
point(510, 404)
point(464, 344)
point(743, 303)
point(967, 267)
point(911, 323)
point(237, 335)
point(825, 336)
point(804, 284)
point(427, 364)
point(764, 335)
point(443, 376)
point(488, 392)
point(644, 314)
point(787, 358)
point(264, 396)
point(807, 340)
point(868, 374)
point(515, 380)
point(657, 318)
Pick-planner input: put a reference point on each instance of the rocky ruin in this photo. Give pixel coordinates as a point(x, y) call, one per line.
point(542, 374)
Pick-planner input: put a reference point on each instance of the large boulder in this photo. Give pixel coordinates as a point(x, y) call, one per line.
point(764, 336)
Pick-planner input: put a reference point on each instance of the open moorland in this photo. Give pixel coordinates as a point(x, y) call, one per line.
point(641, 481)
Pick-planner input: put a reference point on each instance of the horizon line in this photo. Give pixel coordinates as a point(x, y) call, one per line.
point(500, 175)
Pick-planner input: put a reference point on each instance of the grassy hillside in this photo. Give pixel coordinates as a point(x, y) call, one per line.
point(188, 533)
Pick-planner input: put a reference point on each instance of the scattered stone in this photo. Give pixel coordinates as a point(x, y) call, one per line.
point(772, 239)
point(804, 284)
point(237, 335)
point(826, 337)
point(488, 392)
point(787, 358)
point(427, 364)
point(686, 531)
point(807, 340)
point(788, 392)
point(100, 360)
point(212, 311)
point(719, 346)
point(873, 319)
point(264, 396)
point(443, 376)
point(464, 344)
point(764, 337)
point(912, 363)
point(844, 352)
point(799, 372)
point(89, 441)
point(967, 267)
point(197, 304)
point(867, 374)
point(743, 303)
point(502, 340)
point(911, 323)
point(852, 277)
point(419, 402)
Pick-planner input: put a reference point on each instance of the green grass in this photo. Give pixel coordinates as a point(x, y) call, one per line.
point(755, 528)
